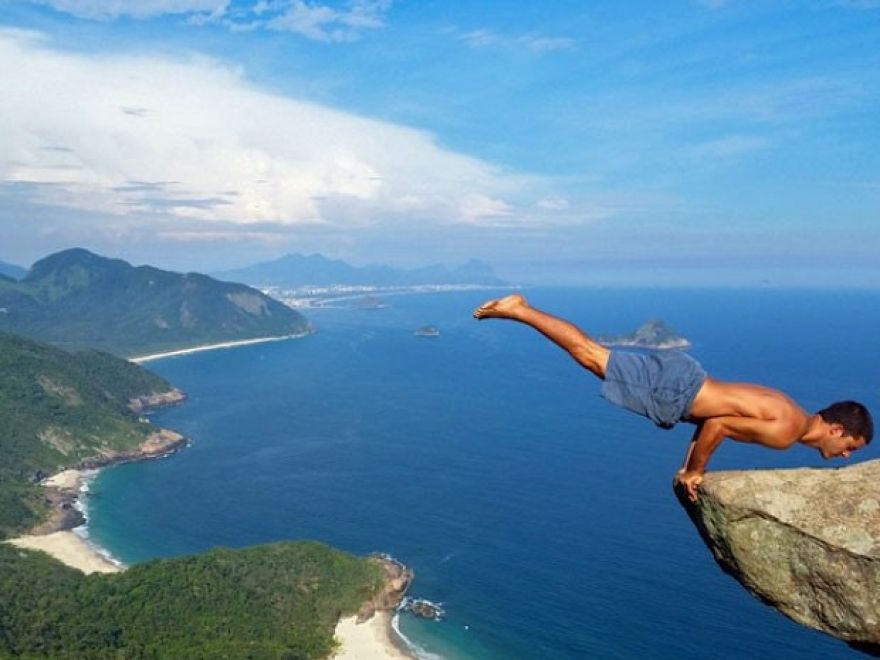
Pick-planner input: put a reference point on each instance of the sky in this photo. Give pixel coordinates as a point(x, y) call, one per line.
point(688, 142)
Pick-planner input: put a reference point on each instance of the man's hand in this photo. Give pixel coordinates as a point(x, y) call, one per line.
point(690, 479)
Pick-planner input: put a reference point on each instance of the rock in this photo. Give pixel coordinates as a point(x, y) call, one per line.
point(158, 443)
point(397, 579)
point(149, 402)
point(423, 608)
point(63, 515)
point(805, 541)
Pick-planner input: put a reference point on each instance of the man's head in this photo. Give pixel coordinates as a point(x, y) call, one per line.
point(848, 426)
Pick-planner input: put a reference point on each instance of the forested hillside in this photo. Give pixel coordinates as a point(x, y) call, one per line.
point(272, 601)
point(56, 409)
point(77, 299)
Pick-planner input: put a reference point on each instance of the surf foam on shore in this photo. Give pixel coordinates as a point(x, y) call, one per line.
point(212, 347)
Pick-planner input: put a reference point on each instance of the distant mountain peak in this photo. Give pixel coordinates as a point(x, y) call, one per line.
point(11, 271)
point(78, 298)
point(64, 260)
point(294, 270)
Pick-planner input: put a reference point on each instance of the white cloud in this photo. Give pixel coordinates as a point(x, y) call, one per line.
point(191, 139)
point(314, 20)
point(324, 23)
point(483, 38)
point(553, 204)
point(480, 208)
point(479, 38)
point(109, 9)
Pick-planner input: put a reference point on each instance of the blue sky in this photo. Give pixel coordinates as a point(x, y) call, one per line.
point(685, 142)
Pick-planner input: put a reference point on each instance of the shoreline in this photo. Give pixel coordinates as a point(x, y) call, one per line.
point(64, 533)
point(64, 536)
point(70, 549)
point(65, 544)
point(373, 639)
point(140, 359)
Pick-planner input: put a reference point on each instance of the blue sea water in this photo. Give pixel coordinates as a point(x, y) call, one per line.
point(539, 515)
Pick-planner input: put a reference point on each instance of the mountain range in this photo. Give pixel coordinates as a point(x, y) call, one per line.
point(78, 299)
point(296, 270)
point(11, 271)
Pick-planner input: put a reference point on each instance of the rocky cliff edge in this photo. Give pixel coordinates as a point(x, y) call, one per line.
point(805, 541)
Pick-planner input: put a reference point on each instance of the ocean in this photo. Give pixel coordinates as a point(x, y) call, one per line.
point(539, 515)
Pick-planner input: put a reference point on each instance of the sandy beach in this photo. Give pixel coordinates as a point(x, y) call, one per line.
point(211, 347)
point(66, 546)
point(371, 640)
point(69, 549)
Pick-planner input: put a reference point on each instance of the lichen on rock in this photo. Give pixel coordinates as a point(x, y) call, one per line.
point(805, 541)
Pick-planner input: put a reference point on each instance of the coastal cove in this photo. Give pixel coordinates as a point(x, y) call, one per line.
point(540, 517)
point(370, 637)
point(63, 535)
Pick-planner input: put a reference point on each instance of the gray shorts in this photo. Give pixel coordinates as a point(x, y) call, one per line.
point(660, 385)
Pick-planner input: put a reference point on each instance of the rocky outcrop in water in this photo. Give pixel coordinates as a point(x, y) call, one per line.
point(423, 608)
point(805, 541)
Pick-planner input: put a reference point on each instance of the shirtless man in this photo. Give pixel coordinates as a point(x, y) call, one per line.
point(669, 387)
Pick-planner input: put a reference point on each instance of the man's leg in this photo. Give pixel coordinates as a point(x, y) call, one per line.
point(567, 336)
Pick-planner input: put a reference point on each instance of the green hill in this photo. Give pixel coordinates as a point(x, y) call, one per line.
point(57, 409)
point(77, 299)
point(273, 601)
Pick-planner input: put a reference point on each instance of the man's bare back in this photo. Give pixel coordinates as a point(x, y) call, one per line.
point(740, 411)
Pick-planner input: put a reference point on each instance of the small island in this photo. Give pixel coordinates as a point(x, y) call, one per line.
point(428, 331)
point(654, 334)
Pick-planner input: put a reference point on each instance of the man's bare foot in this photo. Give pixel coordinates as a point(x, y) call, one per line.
point(502, 308)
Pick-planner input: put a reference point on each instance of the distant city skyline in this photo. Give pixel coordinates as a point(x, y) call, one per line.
point(702, 142)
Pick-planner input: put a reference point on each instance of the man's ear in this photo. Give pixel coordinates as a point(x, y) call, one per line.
point(836, 429)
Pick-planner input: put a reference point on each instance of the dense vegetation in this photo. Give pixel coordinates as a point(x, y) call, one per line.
point(57, 408)
point(272, 601)
point(77, 299)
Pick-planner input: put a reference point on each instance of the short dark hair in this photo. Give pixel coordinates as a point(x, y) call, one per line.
point(852, 416)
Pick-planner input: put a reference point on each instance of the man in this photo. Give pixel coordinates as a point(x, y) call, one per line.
point(669, 387)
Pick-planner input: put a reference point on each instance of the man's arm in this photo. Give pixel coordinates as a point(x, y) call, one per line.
point(711, 433)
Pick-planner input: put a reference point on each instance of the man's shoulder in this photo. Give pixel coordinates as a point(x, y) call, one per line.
point(792, 419)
